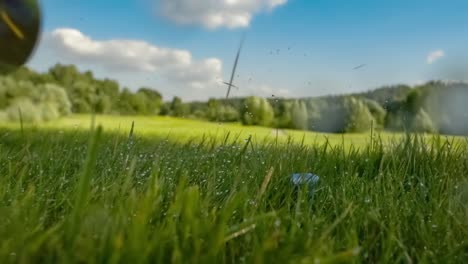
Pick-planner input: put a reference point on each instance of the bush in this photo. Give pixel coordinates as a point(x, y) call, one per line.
point(228, 114)
point(48, 112)
point(36, 103)
point(56, 97)
point(25, 110)
point(215, 111)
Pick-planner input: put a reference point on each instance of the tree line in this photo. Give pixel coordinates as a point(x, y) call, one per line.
point(432, 107)
point(63, 90)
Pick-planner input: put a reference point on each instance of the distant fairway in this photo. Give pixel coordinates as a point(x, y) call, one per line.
point(181, 130)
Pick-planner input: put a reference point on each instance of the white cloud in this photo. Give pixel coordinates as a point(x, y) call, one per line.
point(262, 90)
point(215, 13)
point(121, 55)
point(434, 56)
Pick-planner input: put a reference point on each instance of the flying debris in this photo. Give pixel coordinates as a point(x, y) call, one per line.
point(230, 84)
point(360, 66)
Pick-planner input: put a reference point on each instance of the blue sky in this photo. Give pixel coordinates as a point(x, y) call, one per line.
point(293, 47)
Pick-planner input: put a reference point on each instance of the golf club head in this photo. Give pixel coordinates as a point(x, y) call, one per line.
point(20, 26)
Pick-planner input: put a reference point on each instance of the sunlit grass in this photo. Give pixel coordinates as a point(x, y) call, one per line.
point(70, 195)
point(182, 130)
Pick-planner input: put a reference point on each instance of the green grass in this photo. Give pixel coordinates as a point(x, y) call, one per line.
point(69, 195)
point(184, 130)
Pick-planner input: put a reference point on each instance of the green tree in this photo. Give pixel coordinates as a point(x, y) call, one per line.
point(165, 109)
point(212, 111)
point(359, 117)
point(228, 113)
point(299, 116)
point(328, 114)
point(56, 97)
point(107, 96)
point(377, 111)
point(216, 111)
point(24, 109)
point(413, 102)
point(82, 95)
point(178, 108)
point(66, 75)
point(21, 99)
point(314, 113)
point(283, 113)
point(395, 117)
point(257, 111)
point(103, 104)
point(422, 123)
point(138, 102)
point(125, 105)
point(153, 100)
